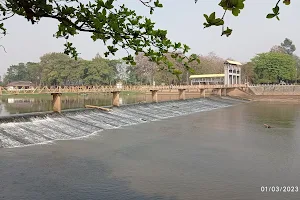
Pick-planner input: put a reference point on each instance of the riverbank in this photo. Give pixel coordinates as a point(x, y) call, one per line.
point(276, 98)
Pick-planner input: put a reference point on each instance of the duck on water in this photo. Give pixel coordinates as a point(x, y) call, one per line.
point(267, 126)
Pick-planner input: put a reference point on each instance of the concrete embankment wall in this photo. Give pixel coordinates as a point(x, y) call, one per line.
point(236, 92)
point(275, 89)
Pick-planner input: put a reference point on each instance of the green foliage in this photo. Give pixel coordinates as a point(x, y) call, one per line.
point(235, 6)
point(210, 64)
point(273, 67)
point(116, 25)
point(211, 20)
point(275, 12)
point(248, 75)
point(278, 49)
point(297, 60)
point(16, 73)
point(227, 32)
point(288, 46)
point(60, 69)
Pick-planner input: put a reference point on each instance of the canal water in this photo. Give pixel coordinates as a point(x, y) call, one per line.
point(210, 149)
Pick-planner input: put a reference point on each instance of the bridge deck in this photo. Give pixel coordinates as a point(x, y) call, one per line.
point(99, 89)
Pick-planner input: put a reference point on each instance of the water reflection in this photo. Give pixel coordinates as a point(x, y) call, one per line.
point(27, 104)
point(30, 103)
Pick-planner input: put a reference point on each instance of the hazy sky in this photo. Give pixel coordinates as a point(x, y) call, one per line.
point(252, 32)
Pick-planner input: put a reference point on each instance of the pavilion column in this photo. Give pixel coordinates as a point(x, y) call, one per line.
point(56, 102)
point(116, 98)
point(181, 94)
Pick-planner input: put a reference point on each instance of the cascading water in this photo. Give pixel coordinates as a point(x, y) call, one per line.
point(34, 130)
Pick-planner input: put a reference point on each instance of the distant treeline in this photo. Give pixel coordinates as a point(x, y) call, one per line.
point(277, 65)
point(60, 69)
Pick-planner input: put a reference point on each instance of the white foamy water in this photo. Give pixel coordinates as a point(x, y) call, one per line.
point(81, 124)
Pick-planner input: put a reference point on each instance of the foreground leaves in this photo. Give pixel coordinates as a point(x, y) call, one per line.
point(117, 26)
point(235, 7)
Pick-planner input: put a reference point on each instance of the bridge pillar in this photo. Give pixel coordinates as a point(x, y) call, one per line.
point(56, 102)
point(224, 92)
point(219, 91)
point(181, 94)
point(116, 98)
point(154, 95)
point(202, 93)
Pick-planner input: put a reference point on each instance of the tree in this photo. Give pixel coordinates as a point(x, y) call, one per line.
point(133, 78)
point(288, 46)
point(97, 71)
point(278, 49)
point(297, 60)
point(34, 72)
point(247, 73)
point(210, 64)
point(274, 67)
point(1, 81)
point(60, 69)
point(17, 72)
point(53, 68)
point(145, 68)
point(117, 26)
point(122, 71)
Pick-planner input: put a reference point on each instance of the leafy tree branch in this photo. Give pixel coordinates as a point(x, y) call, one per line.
point(117, 26)
point(235, 6)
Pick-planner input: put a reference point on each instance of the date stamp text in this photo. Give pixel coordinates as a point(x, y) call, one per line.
point(279, 189)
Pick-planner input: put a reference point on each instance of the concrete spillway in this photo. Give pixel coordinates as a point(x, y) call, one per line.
point(41, 129)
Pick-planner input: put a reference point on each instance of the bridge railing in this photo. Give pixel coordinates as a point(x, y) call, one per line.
point(261, 85)
point(102, 88)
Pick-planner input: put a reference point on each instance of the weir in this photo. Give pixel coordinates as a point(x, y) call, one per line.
point(31, 129)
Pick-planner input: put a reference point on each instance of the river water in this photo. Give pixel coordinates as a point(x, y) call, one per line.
point(18, 104)
point(220, 153)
